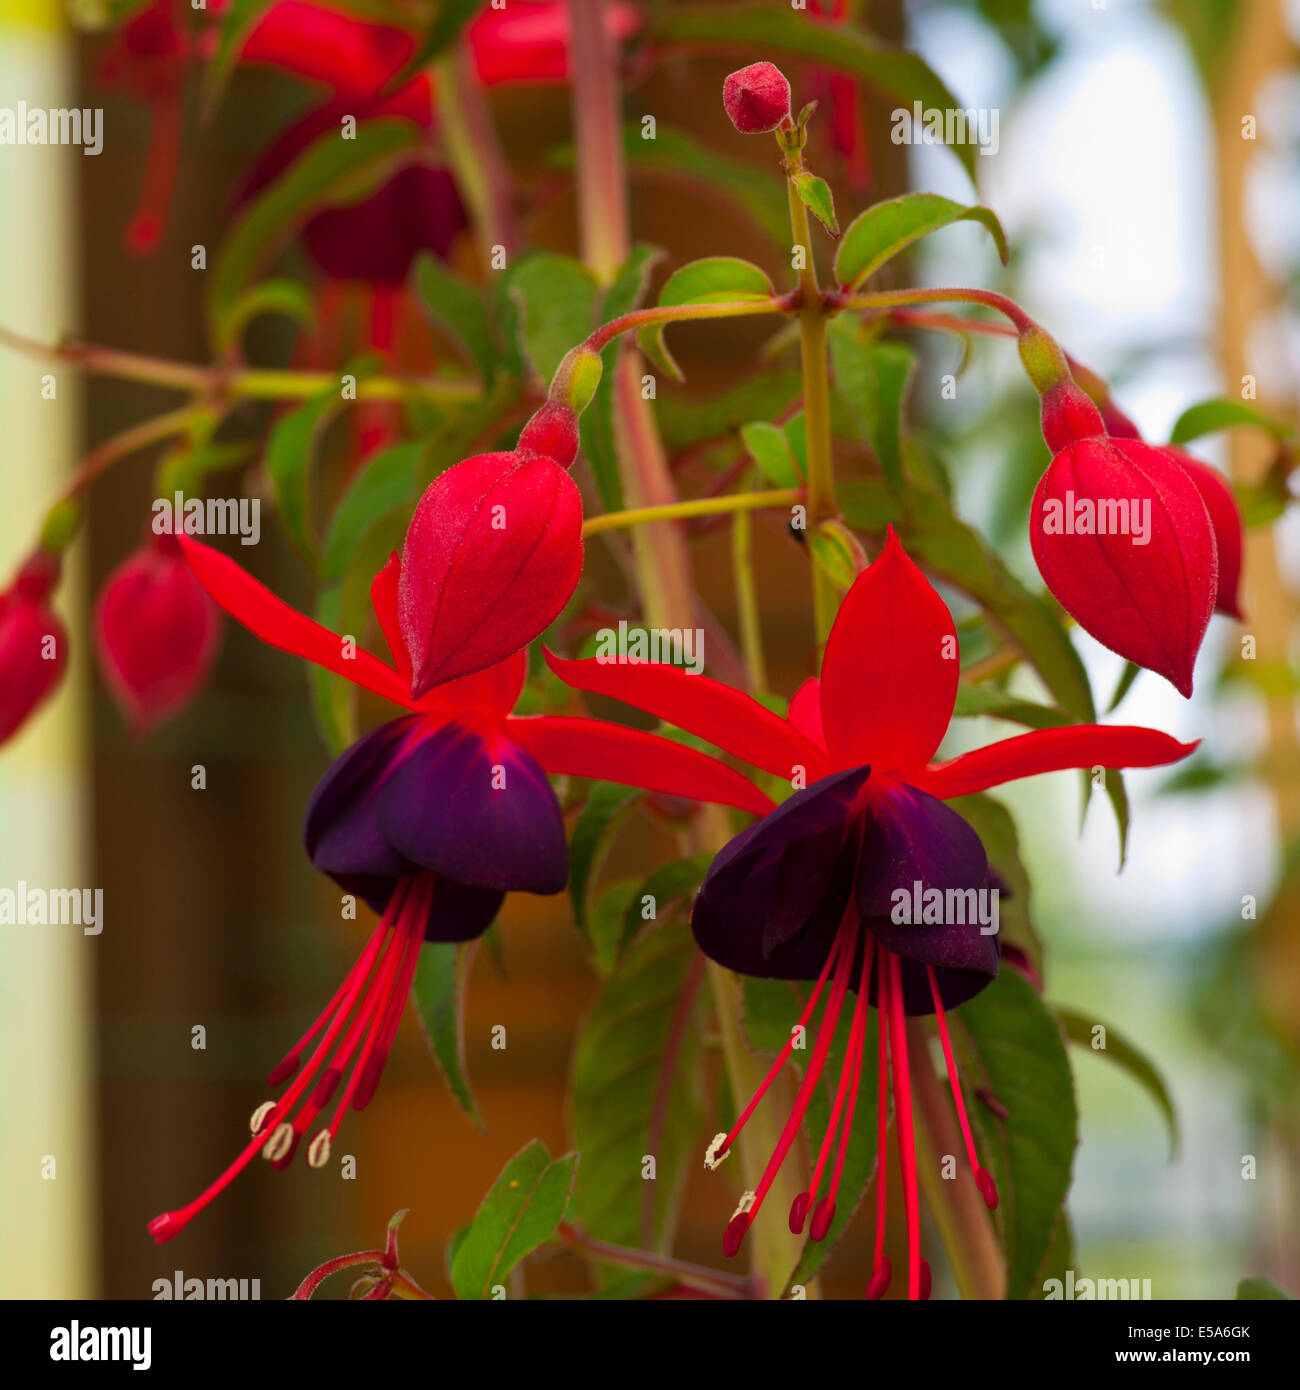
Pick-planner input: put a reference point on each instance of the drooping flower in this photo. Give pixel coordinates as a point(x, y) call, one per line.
point(33, 642)
point(1121, 535)
point(827, 887)
point(431, 819)
point(157, 633)
point(1225, 515)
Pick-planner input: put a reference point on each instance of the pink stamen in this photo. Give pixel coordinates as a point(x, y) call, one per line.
point(882, 1269)
point(983, 1178)
point(376, 988)
point(161, 162)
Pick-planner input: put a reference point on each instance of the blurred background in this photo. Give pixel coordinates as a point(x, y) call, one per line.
point(1161, 247)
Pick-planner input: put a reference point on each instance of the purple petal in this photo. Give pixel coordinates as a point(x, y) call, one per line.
point(481, 814)
point(341, 831)
point(459, 912)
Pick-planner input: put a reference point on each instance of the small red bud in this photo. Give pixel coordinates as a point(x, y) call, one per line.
point(553, 432)
point(156, 633)
point(493, 553)
point(33, 643)
point(757, 98)
point(1124, 542)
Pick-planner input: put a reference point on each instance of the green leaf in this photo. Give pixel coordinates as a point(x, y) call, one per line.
point(996, 828)
point(1223, 413)
point(873, 377)
point(235, 25)
point(770, 30)
point(557, 302)
point(1125, 683)
point(606, 808)
point(714, 280)
point(290, 451)
point(1059, 1257)
point(449, 20)
point(770, 449)
point(438, 991)
point(1080, 1029)
point(1258, 1289)
point(976, 701)
point(605, 922)
point(676, 154)
point(596, 424)
point(389, 479)
point(1015, 1049)
point(884, 230)
point(331, 170)
point(286, 297)
point(685, 422)
point(523, 1210)
point(816, 196)
point(333, 696)
point(638, 1089)
point(667, 886)
point(944, 545)
point(459, 307)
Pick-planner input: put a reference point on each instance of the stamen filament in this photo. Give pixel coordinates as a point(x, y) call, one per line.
point(984, 1179)
point(903, 1114)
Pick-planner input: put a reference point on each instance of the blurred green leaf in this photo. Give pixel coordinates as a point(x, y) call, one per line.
point(557, 302)
point(388, 479)
point(1016, 1051)
point(286, 297)
point(1080, 1029)
point(333, 696)
point(1259, 1289)
point(235, 24)
point(884, 230)
point(873, 377)
point(660, 894)
point(1223, 413)
point(607, 807)
point(523, 1210)
point(638, 1090)
point(770, 449)
point(687, 422)
point(449, 20)
point(459, 307)
point(331, 170)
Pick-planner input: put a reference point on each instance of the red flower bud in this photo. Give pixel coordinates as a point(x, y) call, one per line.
point(33, 643)
point(757, 98)
point(1225, 518)
point(492, 555)
point(156, 633)
point(1123, 539)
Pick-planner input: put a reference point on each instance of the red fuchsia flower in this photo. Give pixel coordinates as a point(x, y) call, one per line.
point(1121, 534)
point(757, 98)
point(431, 819)
point(33, 642)
point(1225, 515)
point(157, 633)
point(822, 888)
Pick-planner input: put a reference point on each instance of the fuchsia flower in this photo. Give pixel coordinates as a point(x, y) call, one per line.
point(1124, 540)
point(431, 819)
point(33, 642)
point(157, 633)
point(812, 891)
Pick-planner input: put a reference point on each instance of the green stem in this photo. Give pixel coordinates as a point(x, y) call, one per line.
point(957, 1207)
point(680, 313)
point(747, 609)
point(699, 506)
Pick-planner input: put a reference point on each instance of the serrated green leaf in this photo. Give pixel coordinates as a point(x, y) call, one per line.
point(438, 992)
point(1223, 413)
point(816, 196)
point(638, 1089)
point(557, 303)
point(943, 544)
point(1014, 1047)
point(770, 30)
point(770, 449)
point(1080, 1029)
point(607, 806)
point(523, 1210)
point(331, 170)
point(667, 885)
point(880, 233)
point(459, 307)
